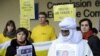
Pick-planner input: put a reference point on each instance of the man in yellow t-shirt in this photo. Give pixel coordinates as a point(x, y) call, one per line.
point(43, 32)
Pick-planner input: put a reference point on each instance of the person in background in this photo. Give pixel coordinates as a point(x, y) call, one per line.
point(29, 37)
point(95, 31)
point(9, 31)
point(43, 32)
point(47, 22)
point(86, 28)
point(78, 28)
point(21, 40)
point(69, 42)
point(8, 34)
point(94, 42)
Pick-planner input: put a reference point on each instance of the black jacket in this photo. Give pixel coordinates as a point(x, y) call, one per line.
point(94, 43)
point(12, 49)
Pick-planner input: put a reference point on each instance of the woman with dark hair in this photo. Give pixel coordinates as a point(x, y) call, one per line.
point(8, 34)
point(21, 40)
point(86, 28)
point(10, 29)
point(95, 31)
point(88, 34)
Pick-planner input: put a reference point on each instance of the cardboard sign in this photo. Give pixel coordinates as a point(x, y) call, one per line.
point(62, 11)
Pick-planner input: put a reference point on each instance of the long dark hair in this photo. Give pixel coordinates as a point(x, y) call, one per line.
point(10, 22)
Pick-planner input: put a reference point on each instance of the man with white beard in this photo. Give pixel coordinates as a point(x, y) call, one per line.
point(69, 42)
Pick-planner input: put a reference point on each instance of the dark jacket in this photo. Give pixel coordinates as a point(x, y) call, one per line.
point(94, 43)
point(12, 49)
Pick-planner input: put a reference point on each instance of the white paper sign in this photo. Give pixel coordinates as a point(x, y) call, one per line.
point(66, 50)
point(24, 50)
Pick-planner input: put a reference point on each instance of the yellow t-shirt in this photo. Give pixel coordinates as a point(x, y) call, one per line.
point(43, 33)
point(3, 40)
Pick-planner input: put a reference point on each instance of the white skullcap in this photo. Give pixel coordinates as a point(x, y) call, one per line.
point(67, 23)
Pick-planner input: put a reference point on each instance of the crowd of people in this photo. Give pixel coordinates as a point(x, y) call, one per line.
point(72, 40)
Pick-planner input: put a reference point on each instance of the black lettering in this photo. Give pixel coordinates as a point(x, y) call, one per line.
point(92, 14)
point(86, 4)
point(50, 14)
point(78, 14)
point(77, 4)
point(95, 13)
point(82, 4)
point(86, 13)
point(49, 5)
point(97, 3)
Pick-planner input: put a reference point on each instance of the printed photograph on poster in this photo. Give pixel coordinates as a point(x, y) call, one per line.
point(25, 50)
point(62, 53)
point(66, 50)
